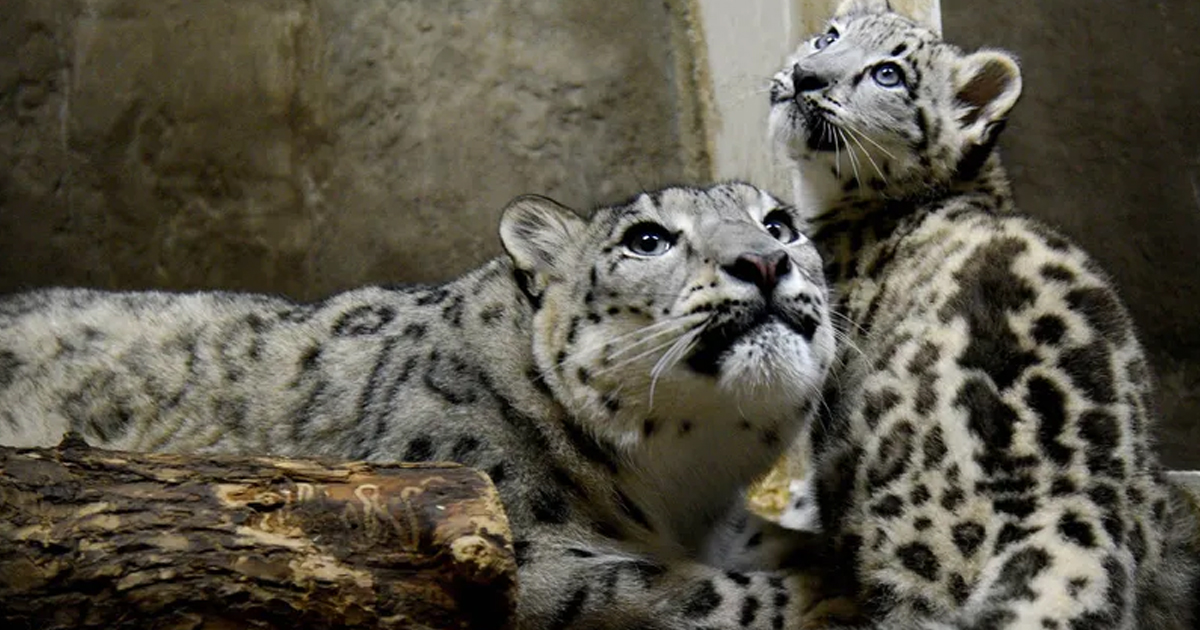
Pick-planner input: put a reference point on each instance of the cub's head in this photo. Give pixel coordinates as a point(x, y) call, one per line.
point(673, 309)
point(878, 106)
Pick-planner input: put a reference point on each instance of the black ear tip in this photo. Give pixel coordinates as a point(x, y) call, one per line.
point(993, 129)
point(537, 201)
point(525, 283)
point(532, 198)
point(542, 209)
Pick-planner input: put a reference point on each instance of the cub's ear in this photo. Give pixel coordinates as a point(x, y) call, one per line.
point(986, 86)
point(852, 7)
point(536, 230)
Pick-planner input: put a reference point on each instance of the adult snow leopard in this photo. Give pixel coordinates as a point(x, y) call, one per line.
point(986, 461)
point(621, 379)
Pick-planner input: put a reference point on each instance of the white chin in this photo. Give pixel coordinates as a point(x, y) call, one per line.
point(772, 363)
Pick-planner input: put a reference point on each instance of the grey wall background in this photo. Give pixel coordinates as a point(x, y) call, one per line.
point(304, 146)
point(1105, 144)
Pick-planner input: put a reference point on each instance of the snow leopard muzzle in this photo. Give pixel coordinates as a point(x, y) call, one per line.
point(730, 326)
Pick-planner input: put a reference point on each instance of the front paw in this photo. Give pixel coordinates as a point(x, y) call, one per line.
point(757, 544)
point(801, 512)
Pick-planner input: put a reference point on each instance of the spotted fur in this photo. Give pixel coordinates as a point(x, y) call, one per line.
point(986, 461)
point(621, 379)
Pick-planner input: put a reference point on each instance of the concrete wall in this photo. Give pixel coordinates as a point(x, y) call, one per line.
point(303, 146)
point(1105, 144)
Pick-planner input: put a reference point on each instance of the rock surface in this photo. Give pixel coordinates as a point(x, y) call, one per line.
point(305, 146)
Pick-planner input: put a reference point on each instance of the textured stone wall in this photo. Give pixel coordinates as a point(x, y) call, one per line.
point(1105, 144)
point(302, 146)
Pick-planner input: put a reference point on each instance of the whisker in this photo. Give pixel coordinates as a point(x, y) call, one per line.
point(848, 345)
point(838, 140)
point(837, 157)
point(868, 138)
point(752, 93)
point(684, 345)
point(867, 153)
point(668, 359)
point(845, 339)
point(848, 320)
point(635, 358)
point(746, 85)
point(641, 342)
point(651, 332)
point(853, 159)
point(824, 419)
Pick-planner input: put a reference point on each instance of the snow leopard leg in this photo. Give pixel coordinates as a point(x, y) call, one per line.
point(573, 583)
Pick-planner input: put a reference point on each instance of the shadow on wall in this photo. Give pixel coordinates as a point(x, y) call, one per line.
point(303, 146)
point(1105, 144)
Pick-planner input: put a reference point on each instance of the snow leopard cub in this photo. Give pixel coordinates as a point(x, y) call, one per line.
point(986, 461)
point(621, 379)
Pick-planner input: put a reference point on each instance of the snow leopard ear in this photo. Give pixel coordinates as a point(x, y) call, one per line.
point(535, 230)
point(987, 85)
point(851, 7)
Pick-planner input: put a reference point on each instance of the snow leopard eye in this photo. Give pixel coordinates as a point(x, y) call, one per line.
point(888, 74)
point(826, 39)
point(647, 239)
point(780, 225)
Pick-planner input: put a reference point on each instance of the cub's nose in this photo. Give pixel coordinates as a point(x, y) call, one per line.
point(763, 271)
point(806, 81)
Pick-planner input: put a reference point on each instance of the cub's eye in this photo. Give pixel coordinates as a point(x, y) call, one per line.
point(647, 239)
point(888, 74)
point(779, 224)
point(826, 39)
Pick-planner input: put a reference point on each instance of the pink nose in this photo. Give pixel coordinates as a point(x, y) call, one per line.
point(761, 271)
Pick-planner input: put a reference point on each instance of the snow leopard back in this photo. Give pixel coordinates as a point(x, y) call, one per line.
point(621, 379)
point(987, 462)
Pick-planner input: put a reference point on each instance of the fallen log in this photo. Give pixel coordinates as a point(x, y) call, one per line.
point(104, 539)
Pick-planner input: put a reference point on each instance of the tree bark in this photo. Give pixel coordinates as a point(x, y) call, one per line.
point(104, 539)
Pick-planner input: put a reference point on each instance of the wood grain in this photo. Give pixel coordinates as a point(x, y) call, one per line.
point(103, 539)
